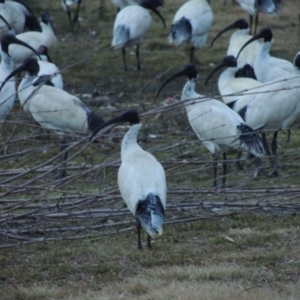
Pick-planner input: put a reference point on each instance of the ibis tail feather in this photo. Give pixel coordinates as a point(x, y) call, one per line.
point(250, 140)
point(151, 214)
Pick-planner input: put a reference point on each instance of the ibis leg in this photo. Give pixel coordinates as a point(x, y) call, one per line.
point(225, 165)
point(238, 164)
point(192, 54)
point(69, 15)
point(256, 23)
point(251, 23)
point(137, 54)
point(75, 19)
point(149, 241)
point(124, 59)
point(274, 154)
point(265, 144)
point(215, 168)
point(63, 158)
point(138, 228)
point(288, 135)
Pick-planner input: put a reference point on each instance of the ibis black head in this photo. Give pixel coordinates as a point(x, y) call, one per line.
point(30, 65)
point(130, 116)
point(246, 71)
point(9, 38)
point(238, 24)
point(5, 21)
point(265, 33)
point(296, 61)
point(152, 5)
point(189, 71)
point(228, 61)
point(43, 50)
point(45, 18)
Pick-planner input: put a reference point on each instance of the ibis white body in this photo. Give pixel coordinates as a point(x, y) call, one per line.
point(130, 26)
point(200, 17)
point(51, 70)
point(8, 92)
point(139, 176)
point(268, 68)
point(215, 124)
point(35, 40)
point(15, 14)
point(276, 105)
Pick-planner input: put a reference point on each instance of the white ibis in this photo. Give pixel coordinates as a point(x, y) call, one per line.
point(237, 40)
point(34, 39)
point(215, 124)
point(266, 67)
point(19, 16)
point(191, 23)
point(141, 180)
point(8, 93)
point(53, 109)
point(131, 25)
point(66, 7)
point(253, 7)
point(274, 107)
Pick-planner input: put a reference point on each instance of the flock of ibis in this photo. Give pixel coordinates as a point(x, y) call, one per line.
point(260, 93)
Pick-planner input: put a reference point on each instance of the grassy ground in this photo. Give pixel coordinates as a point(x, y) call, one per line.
point(235, 251)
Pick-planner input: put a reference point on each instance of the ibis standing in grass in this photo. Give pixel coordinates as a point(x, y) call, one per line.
point(52, 108)
point(215, 124)
point(141, 180)
point(254, 7)
point(131, 25)
point(191, 23)
point(8, 93)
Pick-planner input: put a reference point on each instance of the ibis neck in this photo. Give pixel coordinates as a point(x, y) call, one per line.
point(25, 88)
point(225, 76)
point(264, 49)
point(7, 65)
point(130, 139)
point(189, 91)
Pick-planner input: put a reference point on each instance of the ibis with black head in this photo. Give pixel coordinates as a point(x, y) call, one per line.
point(191, 23)
point(216, 125)
point(53, 108)
point(141, 180)
point(130, 26)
